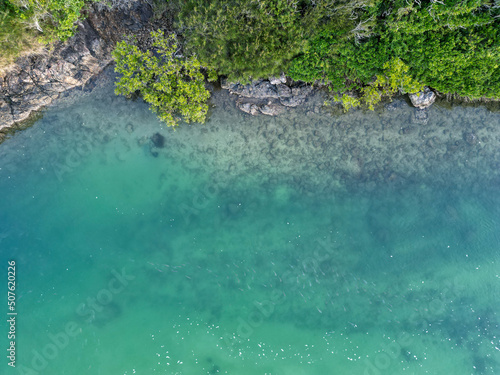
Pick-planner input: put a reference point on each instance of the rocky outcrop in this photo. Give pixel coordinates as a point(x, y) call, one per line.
point(423, 99)
point(268, 96)
point(36, 80)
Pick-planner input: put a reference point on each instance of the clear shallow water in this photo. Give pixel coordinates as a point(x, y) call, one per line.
point(306, 244)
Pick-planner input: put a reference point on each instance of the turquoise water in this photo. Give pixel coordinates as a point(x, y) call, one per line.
point(365, 243)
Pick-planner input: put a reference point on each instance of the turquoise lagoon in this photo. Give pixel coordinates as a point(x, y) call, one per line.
point(312, 243)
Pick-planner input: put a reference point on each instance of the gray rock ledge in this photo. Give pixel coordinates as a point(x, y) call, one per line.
point(34, 81)
point(270, 96)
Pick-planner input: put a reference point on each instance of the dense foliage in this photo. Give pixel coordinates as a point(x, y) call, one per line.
point(28, 24)
point(395, 79)
point(172, 84)
point(243, 39)
point(450, 45)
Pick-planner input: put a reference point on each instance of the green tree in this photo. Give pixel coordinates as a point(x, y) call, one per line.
point(172, 84)
point(395, 79)
point(452, 46)
point(243, 39)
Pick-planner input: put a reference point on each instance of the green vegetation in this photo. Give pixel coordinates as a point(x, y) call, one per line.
point(14, 37)
point(243, 39)
point(452, 45)
point(374, 47)
point(173, 85)
point(395, 79)
point(26, 25)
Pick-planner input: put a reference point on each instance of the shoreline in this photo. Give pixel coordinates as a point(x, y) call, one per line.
point(36, 82)
point(308, 147)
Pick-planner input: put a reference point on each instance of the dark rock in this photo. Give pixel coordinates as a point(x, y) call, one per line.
point(158, 140)
point(432, 142)
point(36, 80)
point(293, 101)
point(228, 85)
point(391, 176)
point(261, 90)
point(258, 90)
point(129, 127)
point(283, 91)
point(406, 130)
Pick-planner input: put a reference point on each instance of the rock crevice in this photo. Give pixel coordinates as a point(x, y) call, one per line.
point(36, 80)
point(269, 96)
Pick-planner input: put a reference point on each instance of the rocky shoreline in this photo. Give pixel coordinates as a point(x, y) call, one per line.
point(36, 81)
point(308, 147)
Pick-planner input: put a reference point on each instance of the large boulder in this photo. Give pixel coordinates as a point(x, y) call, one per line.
point(278, 80)
point(269, 97)
point(423, 99)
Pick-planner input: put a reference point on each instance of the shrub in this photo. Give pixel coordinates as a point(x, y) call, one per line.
point(173, 85)
point(452, 46)
point(395, 79)
point(243, 39)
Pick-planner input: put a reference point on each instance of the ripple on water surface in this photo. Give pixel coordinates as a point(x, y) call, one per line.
point(306, 244)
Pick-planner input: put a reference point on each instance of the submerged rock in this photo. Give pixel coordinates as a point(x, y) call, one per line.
point(420, 116)
point(423, 99)
point(272, 109)
point(158, 140)
point(470, 138)
point(250, 108)
point(395, 105)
